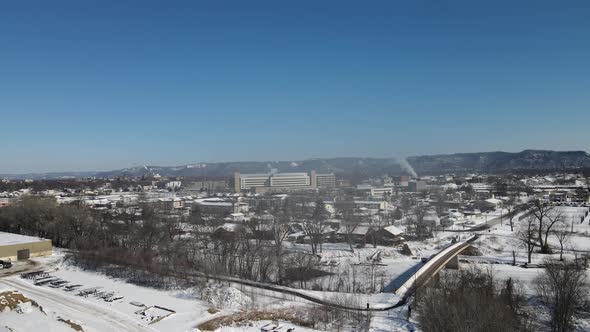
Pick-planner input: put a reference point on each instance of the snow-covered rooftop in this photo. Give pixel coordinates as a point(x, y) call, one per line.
point(494, 201)
point(11, 238)
point(393, 230)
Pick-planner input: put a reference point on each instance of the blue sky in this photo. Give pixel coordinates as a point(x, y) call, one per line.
point(97, 85)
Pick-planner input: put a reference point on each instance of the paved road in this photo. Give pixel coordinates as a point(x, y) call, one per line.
point(18, 267)
point(92, 316)
point(492, 222)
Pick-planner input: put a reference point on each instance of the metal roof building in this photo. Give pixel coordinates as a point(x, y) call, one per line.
point(17, 247)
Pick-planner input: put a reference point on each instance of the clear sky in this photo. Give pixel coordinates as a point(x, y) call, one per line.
point(97, 85)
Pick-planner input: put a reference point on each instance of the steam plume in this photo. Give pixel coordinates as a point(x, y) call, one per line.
point(403, 162)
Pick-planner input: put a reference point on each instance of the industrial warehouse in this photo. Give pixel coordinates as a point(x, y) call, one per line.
point(16, 247)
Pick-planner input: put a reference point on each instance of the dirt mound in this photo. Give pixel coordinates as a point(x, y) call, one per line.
point(240, 319)
point(12, 300)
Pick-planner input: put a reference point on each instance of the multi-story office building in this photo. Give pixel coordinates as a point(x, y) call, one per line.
point(249, 181)
point(282, 181)
point(381, 192)
point(290, 180)
point(325, 180)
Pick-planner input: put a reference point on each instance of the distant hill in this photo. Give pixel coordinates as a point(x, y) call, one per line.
point(347, 167)
point(482, 162)
point(495, 162)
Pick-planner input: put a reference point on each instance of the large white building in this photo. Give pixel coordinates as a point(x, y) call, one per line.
point(248, 181)
point(290, 180)
point(282, 181)
point(382, 191)
point(325, 180)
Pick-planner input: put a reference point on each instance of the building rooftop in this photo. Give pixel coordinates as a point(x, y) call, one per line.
point(11, 238)
point(278, 175)
point(254, 175)
point(393, 230)
point(205, 203)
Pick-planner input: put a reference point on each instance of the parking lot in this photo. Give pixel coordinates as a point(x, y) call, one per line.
point(18, 267)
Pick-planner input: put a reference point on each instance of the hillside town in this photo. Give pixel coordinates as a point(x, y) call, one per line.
point(357, 246)
point(294, 166)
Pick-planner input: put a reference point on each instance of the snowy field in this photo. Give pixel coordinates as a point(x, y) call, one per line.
point(190, 307)
point(137, 308)
point(392, 265)
point(499, 242)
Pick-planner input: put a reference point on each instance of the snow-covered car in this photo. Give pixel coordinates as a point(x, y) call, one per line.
point(5, 264)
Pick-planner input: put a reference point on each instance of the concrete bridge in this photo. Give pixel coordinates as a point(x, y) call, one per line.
point(447, 257)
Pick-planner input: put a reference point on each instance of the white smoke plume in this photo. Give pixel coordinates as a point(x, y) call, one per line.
point(403, 162)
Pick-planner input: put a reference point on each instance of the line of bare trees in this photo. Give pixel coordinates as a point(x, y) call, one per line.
point(153, 241)
point(149, 240)
point(544, 220)
point(474, 300)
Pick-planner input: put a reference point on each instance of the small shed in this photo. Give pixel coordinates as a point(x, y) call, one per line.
point(389, 235)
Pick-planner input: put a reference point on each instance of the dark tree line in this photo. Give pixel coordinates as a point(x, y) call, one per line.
point(471, 301)
point(153, 241)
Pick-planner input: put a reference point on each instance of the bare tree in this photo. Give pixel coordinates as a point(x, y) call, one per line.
point(173, 228)
point(528, 236)
point(350, 222)
point(256, 226)
point(349, 228)
point(376, 222)
point(280, 232)
point(422, 229)
point(406, 204)
point(440, 204)
point(511, 205)
point(562, 287)
point(555, 216)
point(320, 215)
point(315, 233)
point(562, 234)
point(542, 211)
point(196, 216)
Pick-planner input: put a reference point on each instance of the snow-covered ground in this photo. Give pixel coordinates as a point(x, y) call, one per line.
point(496, 246)
point(391, 270)
point(500, 241)
point(194, 306)
point(32, 319)
point(190, 306)
point(256, 326)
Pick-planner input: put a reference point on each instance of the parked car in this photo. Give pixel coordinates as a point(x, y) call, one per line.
point(5, 264)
